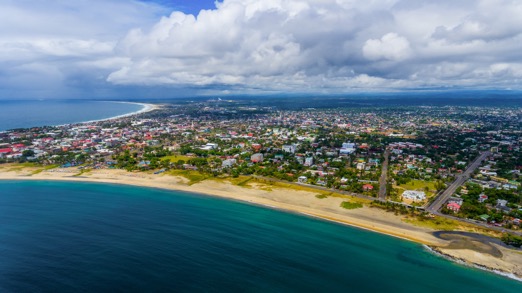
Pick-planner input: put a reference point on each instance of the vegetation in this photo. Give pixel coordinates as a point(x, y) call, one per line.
point(351, 205)
point(512, 240)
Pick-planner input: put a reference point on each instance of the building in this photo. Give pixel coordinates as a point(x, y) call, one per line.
point(414, 195)
point(302, 179)
point(367, 187)
point(256, 158)
point(361, 166)
point(289, 148)
point(347, 148)
point(482, 198)
point(256, 147)
point(309, 161)
point(453, 206)
point(228, 163)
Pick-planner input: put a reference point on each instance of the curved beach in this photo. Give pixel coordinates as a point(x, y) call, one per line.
point(145, 108)
point(297, 201)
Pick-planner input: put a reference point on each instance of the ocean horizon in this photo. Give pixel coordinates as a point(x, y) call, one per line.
point(85, 237)
point(36, 113)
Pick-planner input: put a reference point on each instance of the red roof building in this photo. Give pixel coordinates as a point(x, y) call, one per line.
point(453, 206)
point(6, 151)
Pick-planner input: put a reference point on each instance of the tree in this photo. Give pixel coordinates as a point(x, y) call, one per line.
point(28, 153)
point(439, 185)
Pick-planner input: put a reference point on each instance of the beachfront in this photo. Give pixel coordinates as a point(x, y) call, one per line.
point(304, 202)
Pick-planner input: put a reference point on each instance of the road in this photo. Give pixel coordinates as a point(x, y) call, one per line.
point(384, 176)
point(461, 179)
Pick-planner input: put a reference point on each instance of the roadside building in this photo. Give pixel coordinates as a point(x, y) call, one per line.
point(414, 195)
point(256, 158)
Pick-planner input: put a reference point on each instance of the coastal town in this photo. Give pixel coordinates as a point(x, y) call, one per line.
point(457, 162)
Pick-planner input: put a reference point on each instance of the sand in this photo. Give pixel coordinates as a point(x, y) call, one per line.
point(303, 202)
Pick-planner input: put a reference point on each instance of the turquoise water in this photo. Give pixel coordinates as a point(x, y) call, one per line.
point(85, 237)
point(25, 114)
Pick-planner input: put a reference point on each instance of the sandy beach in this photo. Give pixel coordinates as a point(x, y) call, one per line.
point(507, 261)
point(145, 108)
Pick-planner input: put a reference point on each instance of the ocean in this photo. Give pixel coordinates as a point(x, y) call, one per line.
point(31, 113)
point(87, 237)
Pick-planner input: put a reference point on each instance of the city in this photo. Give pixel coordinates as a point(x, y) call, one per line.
point(427, 152)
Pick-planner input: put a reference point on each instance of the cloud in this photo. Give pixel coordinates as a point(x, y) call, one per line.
point(390, 47)
point(266, 45)
point(45, 44)
point(301, 45)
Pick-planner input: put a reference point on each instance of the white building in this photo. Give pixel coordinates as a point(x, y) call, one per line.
point(348, 148)
point(228, 163)
point(414, 195)
point(309, 161)
point(289, 148)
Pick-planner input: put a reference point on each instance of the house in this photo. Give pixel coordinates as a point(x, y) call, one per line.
point(482, 198)
point(256, 158)
point(302, 179)
point(484, 217)
point(289, 148)
point(367, 187)
point(456, 200)
point(453, 206)
point(309, 161)
point(228, 163)
point(501, 203)
point(144, 164)
point(361, 166)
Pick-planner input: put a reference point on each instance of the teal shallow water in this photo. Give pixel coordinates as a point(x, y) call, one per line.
point(85, 237)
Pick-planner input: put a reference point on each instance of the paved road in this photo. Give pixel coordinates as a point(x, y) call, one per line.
point(441, 199)
point(384, 176)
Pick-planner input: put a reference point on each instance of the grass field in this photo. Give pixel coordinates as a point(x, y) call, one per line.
point(175, 158)
point(418, 185)
point(193, 176)
point(440, 223)
point(351, 205)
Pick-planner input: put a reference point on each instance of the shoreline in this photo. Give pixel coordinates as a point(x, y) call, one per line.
point(462, 261)
point(146, 107)
point(288, 200)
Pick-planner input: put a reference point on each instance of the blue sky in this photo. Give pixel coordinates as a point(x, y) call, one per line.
point(161, 48)
point(186, 6)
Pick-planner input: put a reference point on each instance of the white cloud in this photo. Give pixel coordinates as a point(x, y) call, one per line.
point(288, 44)
point(270, 45)
point(390, 47)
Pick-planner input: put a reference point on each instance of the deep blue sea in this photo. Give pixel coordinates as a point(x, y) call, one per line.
point(85, 237)
point(25, 113)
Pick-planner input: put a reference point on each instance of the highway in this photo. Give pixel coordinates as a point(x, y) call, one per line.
point(384, 176)
point(461, 179)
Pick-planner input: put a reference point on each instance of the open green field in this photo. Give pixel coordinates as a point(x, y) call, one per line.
point(418, 185)
point(193, 176)
point(175, 158)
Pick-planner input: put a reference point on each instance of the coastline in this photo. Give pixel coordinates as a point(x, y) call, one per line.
point(289, 200)
point(146, 108)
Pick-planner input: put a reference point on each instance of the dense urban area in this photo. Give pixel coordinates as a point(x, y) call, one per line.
point(456, 161)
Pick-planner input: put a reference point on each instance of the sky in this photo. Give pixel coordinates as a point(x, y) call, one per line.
point(170, 48)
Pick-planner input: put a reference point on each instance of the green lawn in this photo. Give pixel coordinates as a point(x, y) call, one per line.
point(193, 176)
point(351, 205)
point(418, 185)
point(175, 158)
